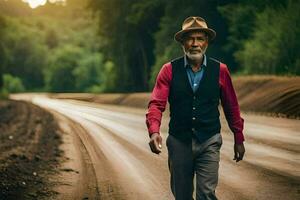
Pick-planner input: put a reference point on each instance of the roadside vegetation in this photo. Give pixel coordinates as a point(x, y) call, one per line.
point(54, 48)
point(120, 45)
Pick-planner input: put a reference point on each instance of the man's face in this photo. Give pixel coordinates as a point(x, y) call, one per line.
point(195, 44)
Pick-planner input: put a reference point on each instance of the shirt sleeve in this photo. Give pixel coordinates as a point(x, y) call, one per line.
point(159, 98)
point(230, 105)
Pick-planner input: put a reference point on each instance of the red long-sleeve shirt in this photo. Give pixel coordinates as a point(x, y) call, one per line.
point(160, 94)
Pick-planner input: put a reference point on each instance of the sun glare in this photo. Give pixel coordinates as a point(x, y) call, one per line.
point(36, 3)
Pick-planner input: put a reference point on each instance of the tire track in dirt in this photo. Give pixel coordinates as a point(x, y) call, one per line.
point(77, 174)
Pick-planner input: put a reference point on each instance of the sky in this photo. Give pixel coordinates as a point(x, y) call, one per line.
point(36, 3)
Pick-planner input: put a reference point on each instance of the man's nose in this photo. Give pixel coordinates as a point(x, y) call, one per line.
point(195, 43)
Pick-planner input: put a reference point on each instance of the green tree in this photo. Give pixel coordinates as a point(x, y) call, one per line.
point(32, 42)
point(51, 39)
point(25, 53)
point(89, 72)
point(264, 35)
point(62, 63)
point(128, 39)
point(12, 84)
point(2, 53)
point(275, 44)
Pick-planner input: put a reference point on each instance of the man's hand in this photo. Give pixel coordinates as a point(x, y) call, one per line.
point(155, 143)
point(239, 151)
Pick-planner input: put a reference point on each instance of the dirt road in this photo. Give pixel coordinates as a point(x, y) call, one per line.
point(122, 166)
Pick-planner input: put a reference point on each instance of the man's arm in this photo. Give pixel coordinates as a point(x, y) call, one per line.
point(232, 112)
point(157, 105)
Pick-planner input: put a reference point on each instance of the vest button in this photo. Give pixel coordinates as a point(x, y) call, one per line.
point(194, 108)
point(193, 129)
point(194, 97)
point(194, 118)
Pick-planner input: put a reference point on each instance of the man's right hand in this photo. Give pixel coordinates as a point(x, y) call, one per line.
point(239, 151)
point(155, 143)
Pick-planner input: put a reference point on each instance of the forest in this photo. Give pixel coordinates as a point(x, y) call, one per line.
point(120, 45)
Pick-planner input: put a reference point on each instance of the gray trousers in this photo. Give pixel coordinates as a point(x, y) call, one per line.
point(187, 160)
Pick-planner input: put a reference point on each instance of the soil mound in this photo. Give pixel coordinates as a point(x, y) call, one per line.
point(279, 96)
point(29, 141)
point(270, 95)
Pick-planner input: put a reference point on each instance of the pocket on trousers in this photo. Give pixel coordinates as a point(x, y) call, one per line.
point(167, 140)
point(220, 139)
point(216, 141)
point(168, 144)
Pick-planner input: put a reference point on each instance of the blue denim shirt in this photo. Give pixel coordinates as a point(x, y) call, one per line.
point(194, 77)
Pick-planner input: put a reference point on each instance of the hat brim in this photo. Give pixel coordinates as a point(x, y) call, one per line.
point(210, 32)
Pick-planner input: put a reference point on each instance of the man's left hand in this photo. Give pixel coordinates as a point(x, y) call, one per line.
point(239, 151)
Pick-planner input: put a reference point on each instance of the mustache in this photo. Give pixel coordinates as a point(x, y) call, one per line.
point(195, 49)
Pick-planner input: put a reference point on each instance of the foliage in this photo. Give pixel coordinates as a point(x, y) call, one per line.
point(92, 74)
point(25, 53)
point(128, 39)
point(2, 53)
point(59, 76)
point(44, 47)
point(122, 45)
point(274, 47)
point(12, 84)
point(264, 35)
point(4, 93)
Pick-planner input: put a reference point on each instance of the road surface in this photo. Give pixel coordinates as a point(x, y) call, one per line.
point(116, 141)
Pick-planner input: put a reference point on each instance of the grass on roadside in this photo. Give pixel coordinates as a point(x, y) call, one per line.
point(4, 93)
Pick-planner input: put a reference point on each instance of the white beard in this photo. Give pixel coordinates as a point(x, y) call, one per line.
point(195, 57)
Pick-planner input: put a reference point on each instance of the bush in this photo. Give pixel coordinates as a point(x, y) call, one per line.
point(12, 84)
point(275, 43)
point(264, 36)
point(3, 93)
point(59, 75)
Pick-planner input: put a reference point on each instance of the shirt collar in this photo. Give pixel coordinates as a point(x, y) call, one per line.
point(204, 63)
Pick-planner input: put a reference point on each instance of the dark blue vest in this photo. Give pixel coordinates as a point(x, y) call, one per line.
point(194, 113)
